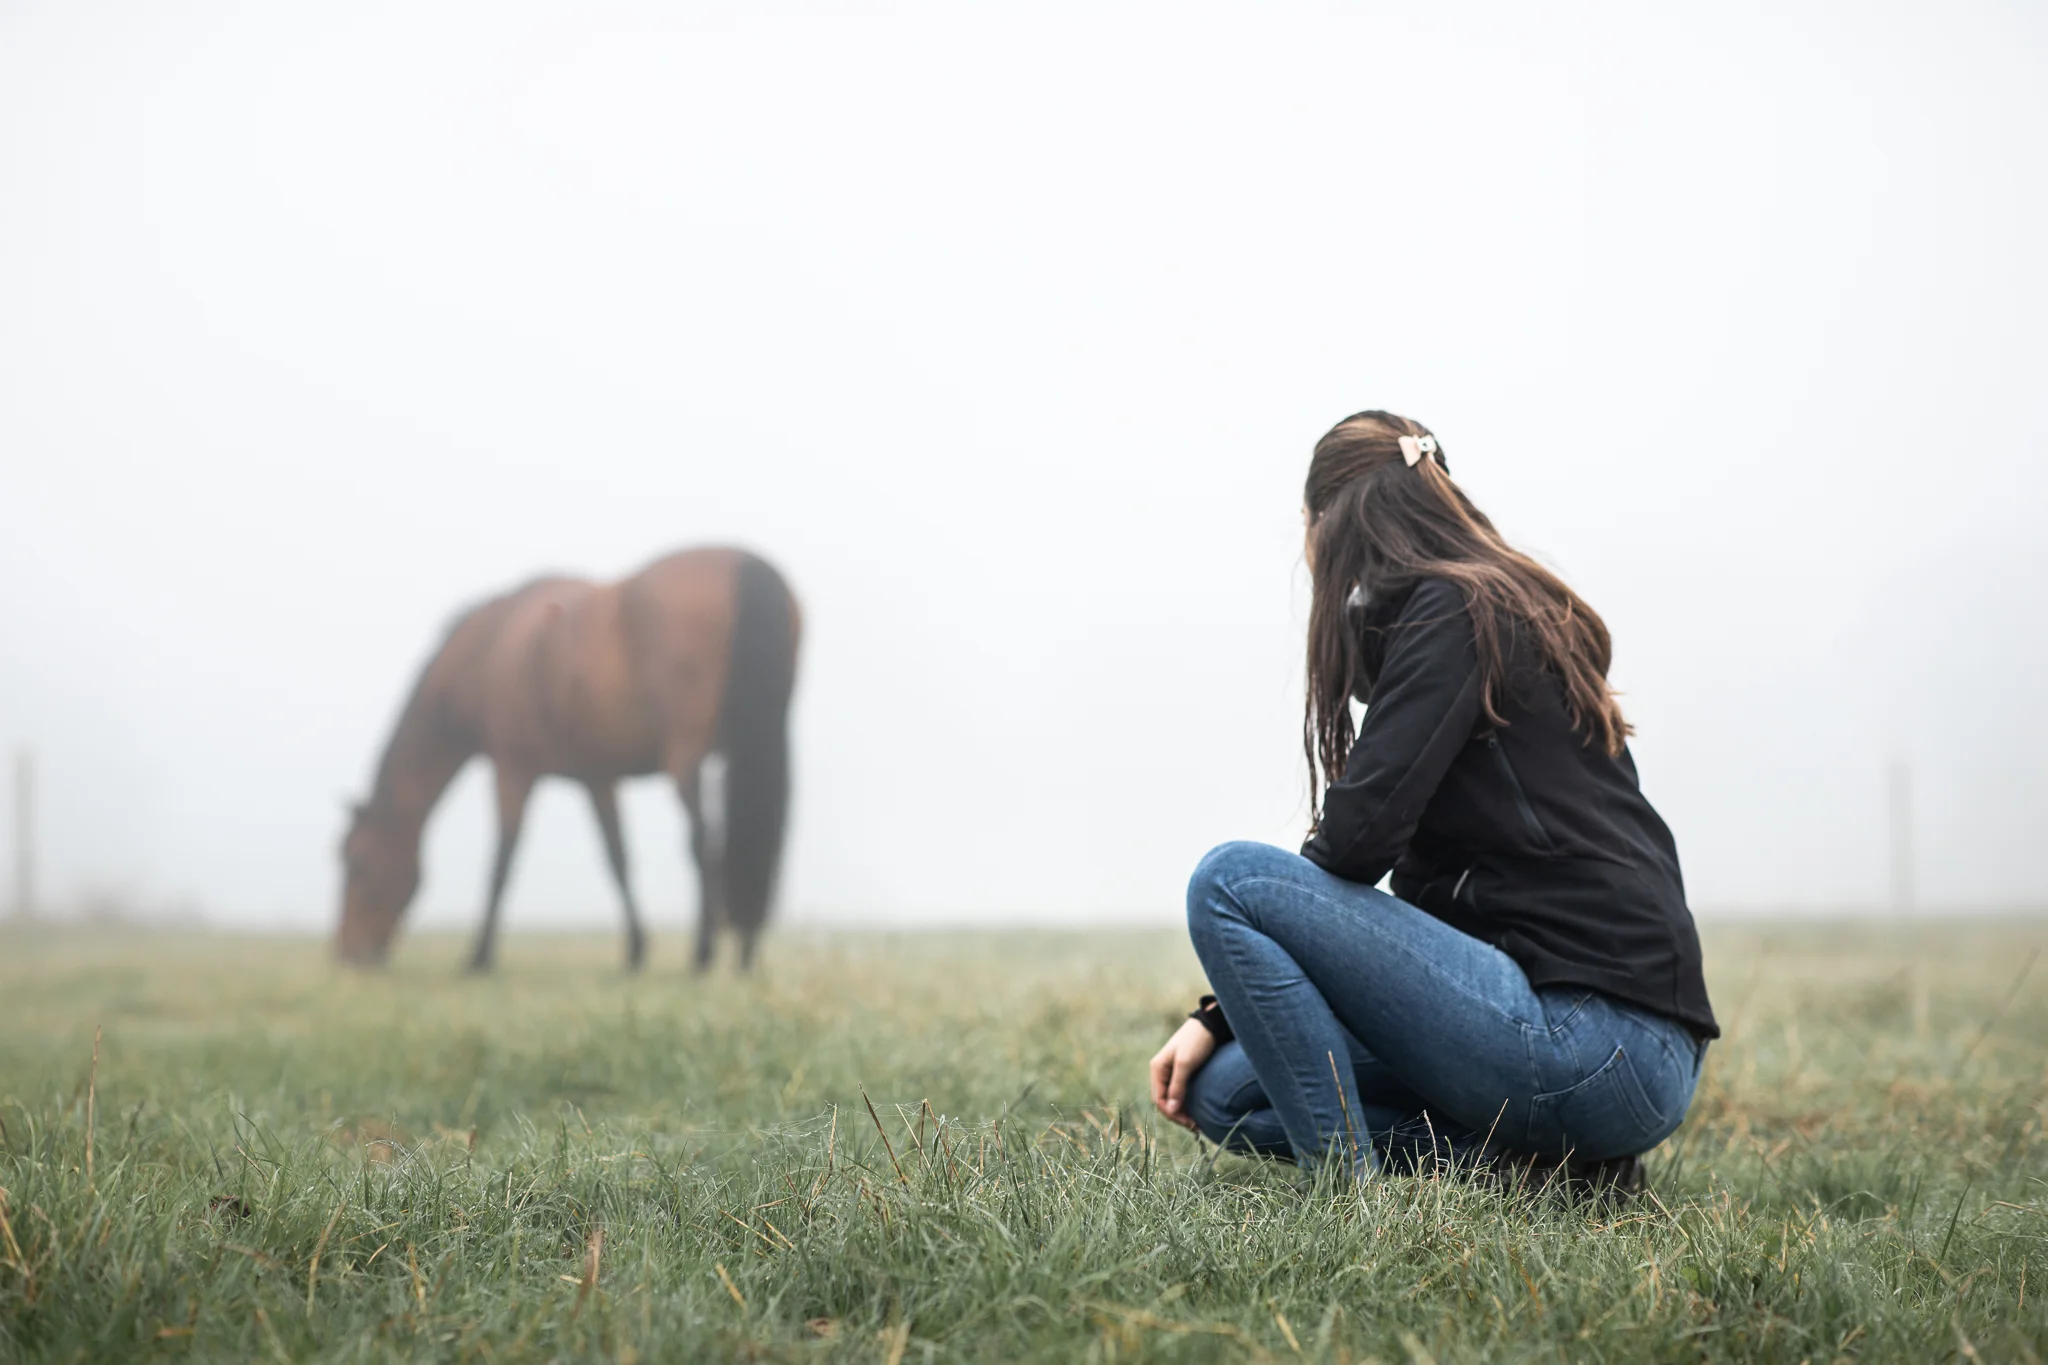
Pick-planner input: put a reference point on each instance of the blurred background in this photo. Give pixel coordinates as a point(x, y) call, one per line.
point(1007, 334)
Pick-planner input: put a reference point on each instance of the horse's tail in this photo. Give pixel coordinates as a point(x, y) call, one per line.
point(753, 735)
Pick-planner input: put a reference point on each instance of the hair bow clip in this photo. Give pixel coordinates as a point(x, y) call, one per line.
point(1413, 448)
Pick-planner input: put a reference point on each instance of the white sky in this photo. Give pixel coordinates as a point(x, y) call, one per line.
point(1007, 333)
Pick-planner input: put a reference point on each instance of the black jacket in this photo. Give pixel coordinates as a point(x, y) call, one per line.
point(1524, 836)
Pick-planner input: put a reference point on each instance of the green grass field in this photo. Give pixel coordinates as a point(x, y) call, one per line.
point(275, 1160)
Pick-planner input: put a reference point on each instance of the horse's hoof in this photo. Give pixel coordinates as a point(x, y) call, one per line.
point(478, 966)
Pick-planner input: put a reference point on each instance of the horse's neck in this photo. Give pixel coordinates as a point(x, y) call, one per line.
point(419, 763)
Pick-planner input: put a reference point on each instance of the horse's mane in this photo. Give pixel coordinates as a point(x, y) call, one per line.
point(465, 614)
point(416, 719)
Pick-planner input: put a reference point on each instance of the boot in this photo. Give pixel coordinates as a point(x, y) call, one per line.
point(1614, 1181)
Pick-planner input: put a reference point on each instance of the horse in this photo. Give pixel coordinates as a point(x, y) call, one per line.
point(691, 660)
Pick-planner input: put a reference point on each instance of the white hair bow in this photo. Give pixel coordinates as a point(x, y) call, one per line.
point(1413, 448)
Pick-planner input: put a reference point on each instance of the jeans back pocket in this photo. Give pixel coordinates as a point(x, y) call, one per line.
point(1608, 1114)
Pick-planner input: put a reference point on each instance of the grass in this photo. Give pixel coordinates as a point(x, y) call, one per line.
point(272, 1160)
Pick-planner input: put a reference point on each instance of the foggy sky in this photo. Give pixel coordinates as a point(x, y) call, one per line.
point(1007, 335)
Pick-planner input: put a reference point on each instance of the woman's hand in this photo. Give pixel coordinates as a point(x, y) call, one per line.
point(1176, 1065)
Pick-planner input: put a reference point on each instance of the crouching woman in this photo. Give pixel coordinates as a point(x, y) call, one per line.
point(1531, 991)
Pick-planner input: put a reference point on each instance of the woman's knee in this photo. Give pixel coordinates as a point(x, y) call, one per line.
point(1210, 888)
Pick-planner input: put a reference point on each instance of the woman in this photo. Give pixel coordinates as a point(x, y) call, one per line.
point(1533, 985)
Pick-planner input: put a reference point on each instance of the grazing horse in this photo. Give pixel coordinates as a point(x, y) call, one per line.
point(693, 656)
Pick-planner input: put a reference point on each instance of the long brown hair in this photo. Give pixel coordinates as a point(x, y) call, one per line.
point(1377, 526)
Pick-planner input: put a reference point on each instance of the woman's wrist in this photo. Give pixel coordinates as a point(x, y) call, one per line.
point(1209, 1014)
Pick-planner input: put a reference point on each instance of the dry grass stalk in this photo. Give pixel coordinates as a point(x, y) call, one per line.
point(756, 1231)
point(885, 1138)
point(14, 1256)
point(916, 1136)
point(1418, 1354)
point(831, 1155)
point(939, 1141)
point(92, 1082)
point(1350, 1131)
point(1286, 1329)
point(593, 1253)
point(1146, 1320)
point(276, 1342)
point(319, 1248)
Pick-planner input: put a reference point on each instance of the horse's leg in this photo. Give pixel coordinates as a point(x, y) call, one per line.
point(513, 789)
point(705, 849)
point(604, 799)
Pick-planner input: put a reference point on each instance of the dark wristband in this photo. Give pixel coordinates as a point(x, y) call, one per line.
point(1209, 1015)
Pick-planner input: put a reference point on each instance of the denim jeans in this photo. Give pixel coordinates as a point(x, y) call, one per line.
point(1369, 1029)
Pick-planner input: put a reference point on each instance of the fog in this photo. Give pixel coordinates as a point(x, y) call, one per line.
point(1007, 334)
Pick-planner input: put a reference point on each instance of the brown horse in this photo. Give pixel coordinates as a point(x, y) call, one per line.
point(693, 656)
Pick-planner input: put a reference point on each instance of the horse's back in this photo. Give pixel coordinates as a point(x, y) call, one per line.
point(678, 616)
point(606, 680)
point(594, 699)
point(468, 668)
point(519, 686)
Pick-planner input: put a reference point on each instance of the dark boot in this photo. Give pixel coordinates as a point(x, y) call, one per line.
point(1614, 1181)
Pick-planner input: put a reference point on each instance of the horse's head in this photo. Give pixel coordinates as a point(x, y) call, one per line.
point(380, 870)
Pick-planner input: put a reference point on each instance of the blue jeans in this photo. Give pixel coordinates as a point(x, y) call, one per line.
point(1370, 1029)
